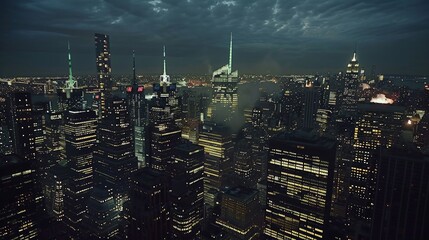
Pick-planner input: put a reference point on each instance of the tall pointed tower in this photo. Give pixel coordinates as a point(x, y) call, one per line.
point(137, 107)
point(70, 96)
point(224, 86)
point(163, 132)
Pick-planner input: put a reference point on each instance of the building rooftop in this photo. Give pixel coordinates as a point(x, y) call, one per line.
point(241, 193)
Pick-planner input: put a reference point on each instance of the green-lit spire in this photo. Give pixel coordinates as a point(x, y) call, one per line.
point(71, 83)
point(230, 56)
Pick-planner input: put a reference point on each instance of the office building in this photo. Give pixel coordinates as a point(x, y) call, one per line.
point(21, 203)
point(378, 126)
point(311, 104)
point(21, 124)
point(147, 215)
point(187, 195)
point(218, 146)
point(224, 85)
point(162, 133)
point(80, 136)
point(114, 159)
point(351, 83)
point(137, 107)
point(299, 186)
point(104, 69)
point(240, 214)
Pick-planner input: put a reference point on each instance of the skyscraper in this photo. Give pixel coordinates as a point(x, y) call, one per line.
point(378, 126)
point(299, 186)
point(21, 124)
point(240, 214)
point(224, 85)
point(104, 69)
point(21, 209)
point(351, 82)
point(162, 132)
point(311, 104)
point(80, 136)
point(401, 209)
point(147, 213)
point(187, 196)
point(70, 96)
point(217, 142)
point(136, 104)
point(114, 159)
point(244, 164)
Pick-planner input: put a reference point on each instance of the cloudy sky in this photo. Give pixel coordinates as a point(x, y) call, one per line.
point(270, 36)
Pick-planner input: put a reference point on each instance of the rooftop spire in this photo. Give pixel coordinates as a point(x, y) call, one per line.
point(70, 83)
point(165, 66)
point(354, 56)
point(164, 78)
point(230, 56)
point(134, 68)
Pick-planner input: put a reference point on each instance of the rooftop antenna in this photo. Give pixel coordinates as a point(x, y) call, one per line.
point(134, 68)
point(71, 83)
point(164, 77)
point(230, 56)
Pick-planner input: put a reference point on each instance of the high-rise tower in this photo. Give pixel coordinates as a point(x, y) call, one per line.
point(21, 124)
point(351, 82)
point(224, 86)
point(80, 136)
point(104, 69)
point(162, 133)
point(299, 186)
point(70, 96)
point(137, 107)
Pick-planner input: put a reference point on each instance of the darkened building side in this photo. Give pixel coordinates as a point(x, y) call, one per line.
point(147, 215)
point(401, 208)
point(21, 206)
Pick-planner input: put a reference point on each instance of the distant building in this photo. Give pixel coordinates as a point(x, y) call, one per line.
point(351, 84)
point(21, 124)
point(137, 107)
point(104, 68)
point(70, 96)
point(244, 165)
point(162, 133)
point(224, 85)
point(312, 94)
point(187, 191)
point(240, 214)
point(299, 186)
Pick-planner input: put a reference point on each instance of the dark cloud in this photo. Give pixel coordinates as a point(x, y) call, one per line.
point(277, 36)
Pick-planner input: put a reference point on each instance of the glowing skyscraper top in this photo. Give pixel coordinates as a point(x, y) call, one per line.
point(71, 83)
point(164, 78)
point(230, 56)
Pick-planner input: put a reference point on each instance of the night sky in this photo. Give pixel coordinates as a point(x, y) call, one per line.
point(283, 36)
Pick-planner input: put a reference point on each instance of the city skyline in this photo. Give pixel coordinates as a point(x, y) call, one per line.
point(189, 131)
point(274, 37)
